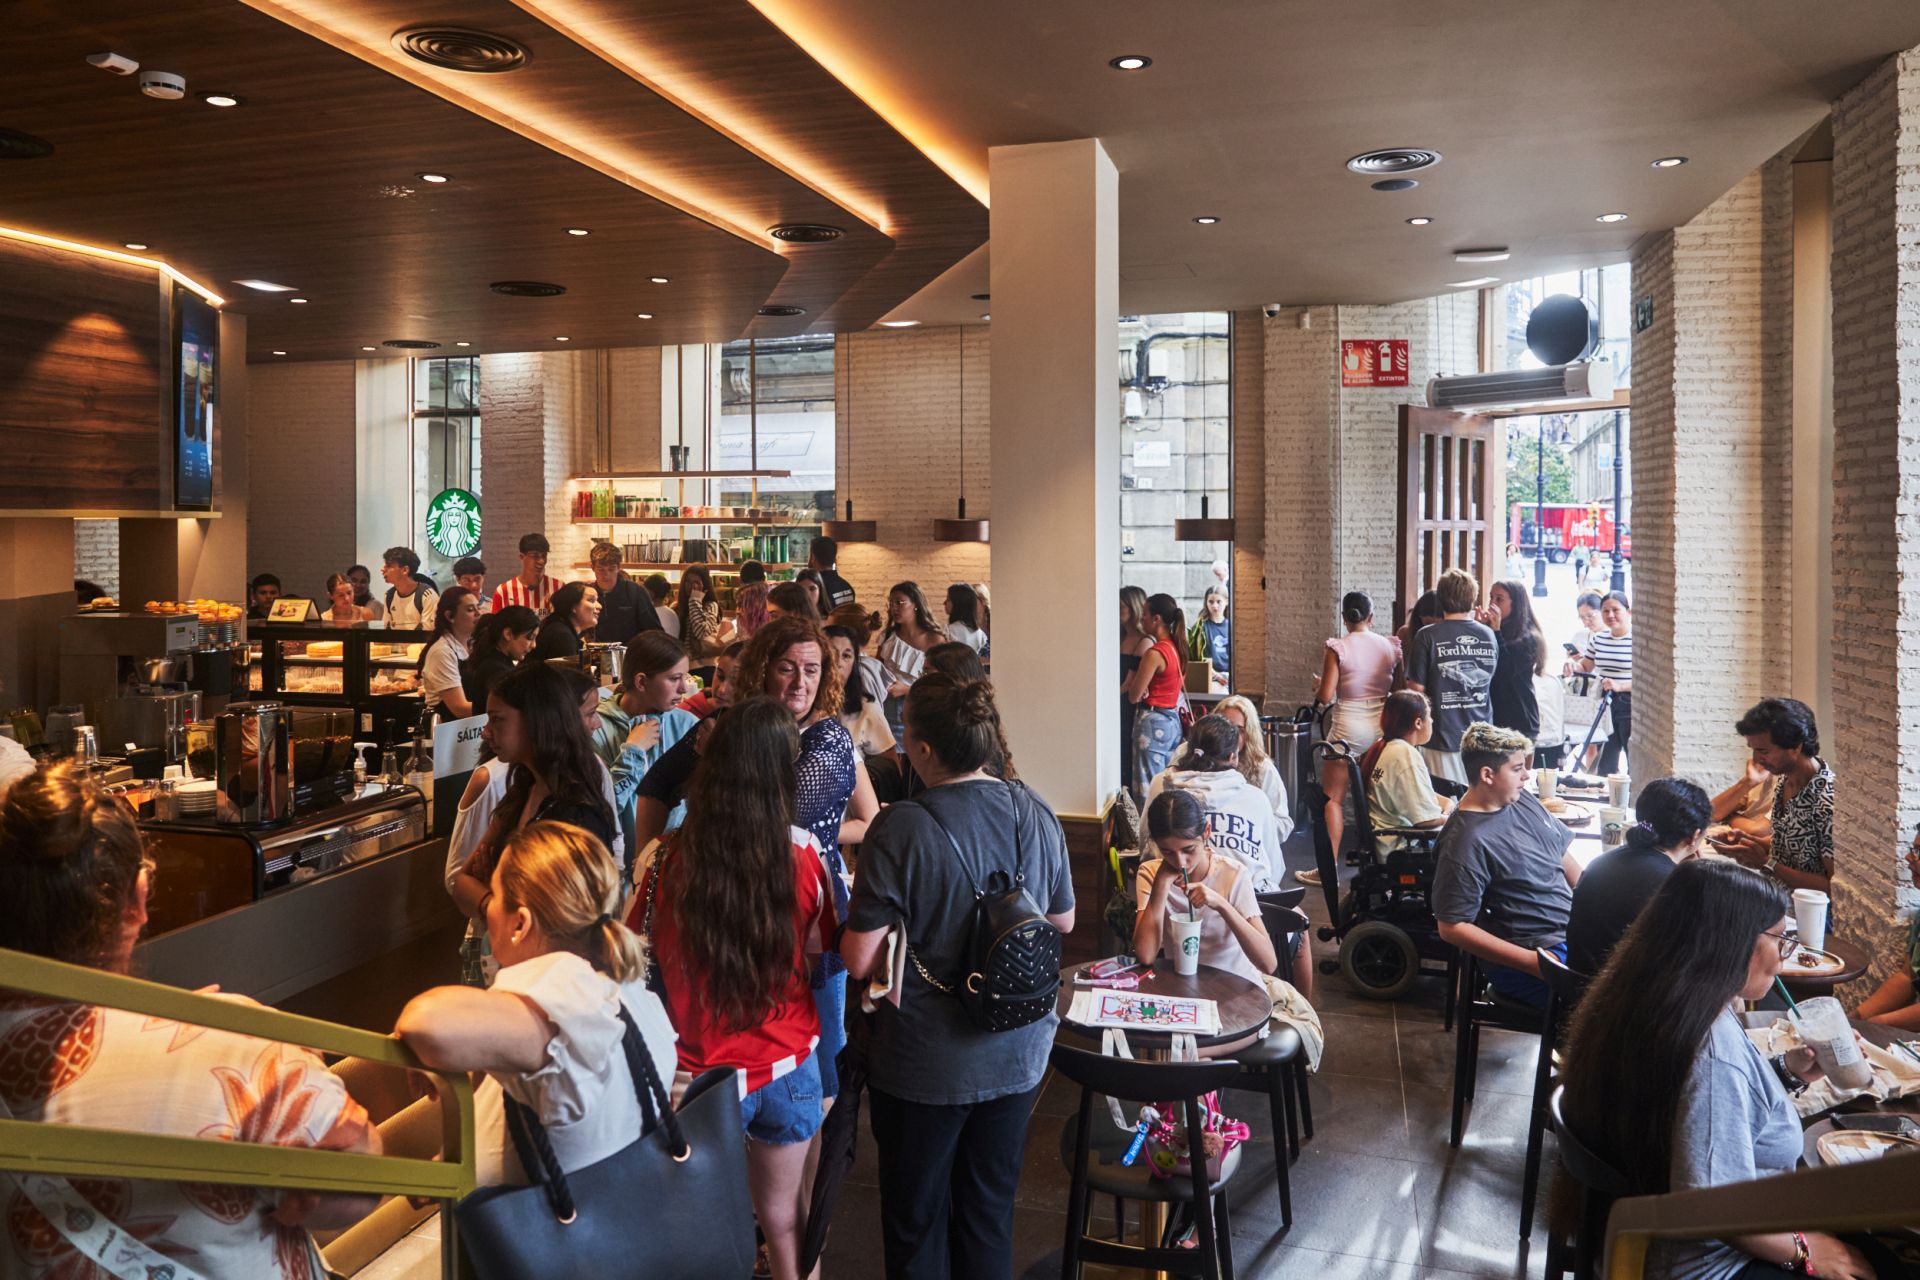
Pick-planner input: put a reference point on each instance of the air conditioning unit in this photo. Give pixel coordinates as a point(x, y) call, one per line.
point(1586, 380)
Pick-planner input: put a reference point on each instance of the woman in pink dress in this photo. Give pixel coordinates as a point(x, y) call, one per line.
point(1355, 677)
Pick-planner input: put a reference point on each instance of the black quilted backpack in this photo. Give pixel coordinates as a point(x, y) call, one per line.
point(1013, 951)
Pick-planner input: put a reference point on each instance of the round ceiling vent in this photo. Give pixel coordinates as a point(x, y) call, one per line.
point(527, 288)
point(805, 232)
point(1396, 184)
point(1389, 160)
point(782, 311)
point(15, 145)
point(409, 344)
point(461, 49)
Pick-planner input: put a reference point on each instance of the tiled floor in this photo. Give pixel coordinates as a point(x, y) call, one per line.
point(1377, 1194)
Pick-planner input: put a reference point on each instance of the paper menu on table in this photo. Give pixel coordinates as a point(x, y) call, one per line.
point(1132, 1010)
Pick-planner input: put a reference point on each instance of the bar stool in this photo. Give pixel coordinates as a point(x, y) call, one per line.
point(1563, 992)
point(1600, 1185)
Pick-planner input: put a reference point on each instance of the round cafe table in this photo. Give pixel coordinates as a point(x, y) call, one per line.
point(1854, 960)
point(1244, 1006)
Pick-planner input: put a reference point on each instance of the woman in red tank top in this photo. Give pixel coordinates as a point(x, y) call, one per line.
point(1156, 685)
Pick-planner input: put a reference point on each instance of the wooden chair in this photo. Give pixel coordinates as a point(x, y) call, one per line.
point(1277, 1064)
point(1092, 1147)
point(1477, 1006)
point(1600, 1185)
point(1563, 993)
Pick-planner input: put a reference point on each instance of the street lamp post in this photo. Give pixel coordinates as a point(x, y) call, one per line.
point(1618, 582)
point(1540, 515)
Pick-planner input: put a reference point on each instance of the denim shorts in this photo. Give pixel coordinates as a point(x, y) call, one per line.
point(1156, 734)
point(787, 1110)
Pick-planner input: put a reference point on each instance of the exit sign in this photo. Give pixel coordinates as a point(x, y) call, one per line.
point(1373, 362)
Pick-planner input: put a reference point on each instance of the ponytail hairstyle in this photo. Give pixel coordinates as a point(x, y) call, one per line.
point(1671, 811)
point(515, 619)
point(750, 606)
point(728, 873)
point(961, 722)
point(958, 660)
point(442, 621)
point(1213, 744)
point(860, 623)
point(70, 858)
point(1355, 608)
point(1402, 711)
point(1167, 609)
point(1177, 815)
point(570, 885)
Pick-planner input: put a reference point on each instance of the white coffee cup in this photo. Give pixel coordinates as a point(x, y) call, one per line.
point(1548, 780)
point(1614, 824)
point(1822, 1024)
point(1810, 915)
point(1183, 939)
point(1617, 789)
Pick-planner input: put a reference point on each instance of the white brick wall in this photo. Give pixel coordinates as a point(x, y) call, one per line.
point(96, 553)
point(1249, 500)
point(1875, 743)
point(300, 462)
point(899, 457)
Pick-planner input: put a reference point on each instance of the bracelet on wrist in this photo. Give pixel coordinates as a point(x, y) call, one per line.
point(1802, 1263)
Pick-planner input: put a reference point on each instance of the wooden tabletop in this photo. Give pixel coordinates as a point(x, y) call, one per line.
point(1854, 963)
point(1244, 1006)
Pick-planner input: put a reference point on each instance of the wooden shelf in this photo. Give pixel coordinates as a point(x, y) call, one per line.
point(699, 520)
point(685, 475)
point(733, 565)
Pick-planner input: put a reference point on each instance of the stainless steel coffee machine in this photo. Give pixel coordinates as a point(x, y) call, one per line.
point(132, 672)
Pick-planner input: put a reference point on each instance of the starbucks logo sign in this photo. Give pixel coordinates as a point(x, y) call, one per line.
point(453, 523)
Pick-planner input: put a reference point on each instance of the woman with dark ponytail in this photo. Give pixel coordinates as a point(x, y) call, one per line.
point(1663, 1084)
point(946, 1094)
point(1156, 686)
point(1673, 816)
point(1355, 676)
point(501, 641)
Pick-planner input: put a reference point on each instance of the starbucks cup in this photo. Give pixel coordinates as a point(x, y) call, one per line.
point(1614, 824)
point(1548, 780)
point(1810, 915)
point(1183, 939)
point(1617, 789)
point(1822, 1025)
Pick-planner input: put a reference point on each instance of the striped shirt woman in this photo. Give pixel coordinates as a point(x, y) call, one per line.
point(1610, 654)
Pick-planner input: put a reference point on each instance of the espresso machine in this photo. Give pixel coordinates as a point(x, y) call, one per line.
point(133, 673)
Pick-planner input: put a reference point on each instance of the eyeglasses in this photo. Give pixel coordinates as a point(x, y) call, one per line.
point(1788, 939)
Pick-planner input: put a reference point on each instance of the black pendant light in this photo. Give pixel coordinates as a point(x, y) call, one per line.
point(850, 530)
point(1206, 528)
point(962, 529)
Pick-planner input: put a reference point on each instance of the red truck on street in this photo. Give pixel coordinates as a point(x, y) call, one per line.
point(1563, 526)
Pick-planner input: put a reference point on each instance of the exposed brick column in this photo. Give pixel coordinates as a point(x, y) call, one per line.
point(1707, 554)
point(1874, 744)
point(1301, 542)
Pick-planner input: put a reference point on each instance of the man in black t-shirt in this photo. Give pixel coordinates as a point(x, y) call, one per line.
point(822, 554)
point(625, 608)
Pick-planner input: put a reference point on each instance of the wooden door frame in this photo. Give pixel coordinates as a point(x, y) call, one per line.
point(1485, 532)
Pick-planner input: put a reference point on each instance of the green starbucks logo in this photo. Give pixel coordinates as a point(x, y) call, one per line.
point(453, 523)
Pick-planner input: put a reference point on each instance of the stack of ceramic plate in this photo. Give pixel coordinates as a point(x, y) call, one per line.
point(195, 799)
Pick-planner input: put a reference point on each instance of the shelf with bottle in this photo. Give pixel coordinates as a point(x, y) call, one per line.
point(613, 476)
point(758, 518)
point(720, 566)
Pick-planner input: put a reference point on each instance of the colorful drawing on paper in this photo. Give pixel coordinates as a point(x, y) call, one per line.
point(1158, 1013)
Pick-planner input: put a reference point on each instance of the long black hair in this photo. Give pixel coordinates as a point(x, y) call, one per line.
point(442, 621)
point(563, 754)
point(1640, 1026)
point(1167, 609)
point(965, 604)
point(565, 600)
point(853, 695)
point(1519, 629)
point(1671, 811)
point(494, 627)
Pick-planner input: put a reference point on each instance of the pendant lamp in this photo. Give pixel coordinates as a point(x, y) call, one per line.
point(1206, 528)
point(850, 530)
point(962, 529)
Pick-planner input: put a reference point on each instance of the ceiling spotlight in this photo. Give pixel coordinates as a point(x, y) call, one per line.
point(134, 245)
point(656, 280)
point(266, 286)
point(296, 300)
point(898, 324)
point(563, 338)
point(1474, 283)
point(369, 348)
point(643, 315)
point(1207, 219)
point(463, 344)
point(985, 315)
point(1419, 222)
point(1500, 254)
point(1131, 62)
point(1395, 184)
point(1669, 162)
point(219, 99)
point(279, 353)
point(578, 231)
point(1611, 217)
point(432, 177)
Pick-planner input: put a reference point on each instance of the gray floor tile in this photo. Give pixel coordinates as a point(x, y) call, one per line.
point(1470, 1220)
point(1343, 1202)
point(1427, 1054)
point(1495, 1130)
point(1360, 1045)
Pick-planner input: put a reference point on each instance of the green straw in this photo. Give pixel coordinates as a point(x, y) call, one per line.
point(1183, 889)
point(1785, 993)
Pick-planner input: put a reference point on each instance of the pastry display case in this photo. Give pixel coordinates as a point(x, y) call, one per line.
point(346, 665)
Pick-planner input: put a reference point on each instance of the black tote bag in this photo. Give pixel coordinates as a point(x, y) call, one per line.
point(674, 1205)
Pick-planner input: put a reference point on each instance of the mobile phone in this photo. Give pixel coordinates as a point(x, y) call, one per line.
point(1571, 651)
point(1873, 1122)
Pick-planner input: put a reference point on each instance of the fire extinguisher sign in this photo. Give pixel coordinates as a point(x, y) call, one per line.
point(1373, 362)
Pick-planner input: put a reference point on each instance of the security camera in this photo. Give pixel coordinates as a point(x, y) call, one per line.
point(163, 84)
point(1270, 309)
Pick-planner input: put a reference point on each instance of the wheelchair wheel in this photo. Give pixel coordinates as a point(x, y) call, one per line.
point(1379, 960)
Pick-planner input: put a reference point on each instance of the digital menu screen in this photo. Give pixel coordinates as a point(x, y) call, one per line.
point(197, 336)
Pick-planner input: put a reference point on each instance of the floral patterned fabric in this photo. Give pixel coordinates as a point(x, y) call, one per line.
point(75, 1064)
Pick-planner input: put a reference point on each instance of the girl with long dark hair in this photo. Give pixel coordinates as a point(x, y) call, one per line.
point(1672, 818)
point(963, 617)
point(641, 719)
point(454, 620)
point(1156, 686)
point(859, 711)
point(1510, 614)
point(1399, 789)
point(1134, 643)
point(501, 640)
point(737, 897)
point(1186, 873)
point(902, 651)
point(1663, 1083)
point(576, 607)
point(699, 615)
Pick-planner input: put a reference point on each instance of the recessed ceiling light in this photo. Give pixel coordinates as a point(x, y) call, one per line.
point(134, 245)
point(432, 177)
point(369, 348)
point(643, 315)
point(1669, 162)
point(266, 286)
point(279, 353)
point(1500, 254)
point(578, 231)
point(1419, 222)
point(1611, 217)
point(1474, 283)
point(219, 99)
point(296, 300)
point(463, 344)
point(898, 324)
point(1207, 219)
point(1395, 184)
point(1131, 62)
point(563, 338)
point(656, 280)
